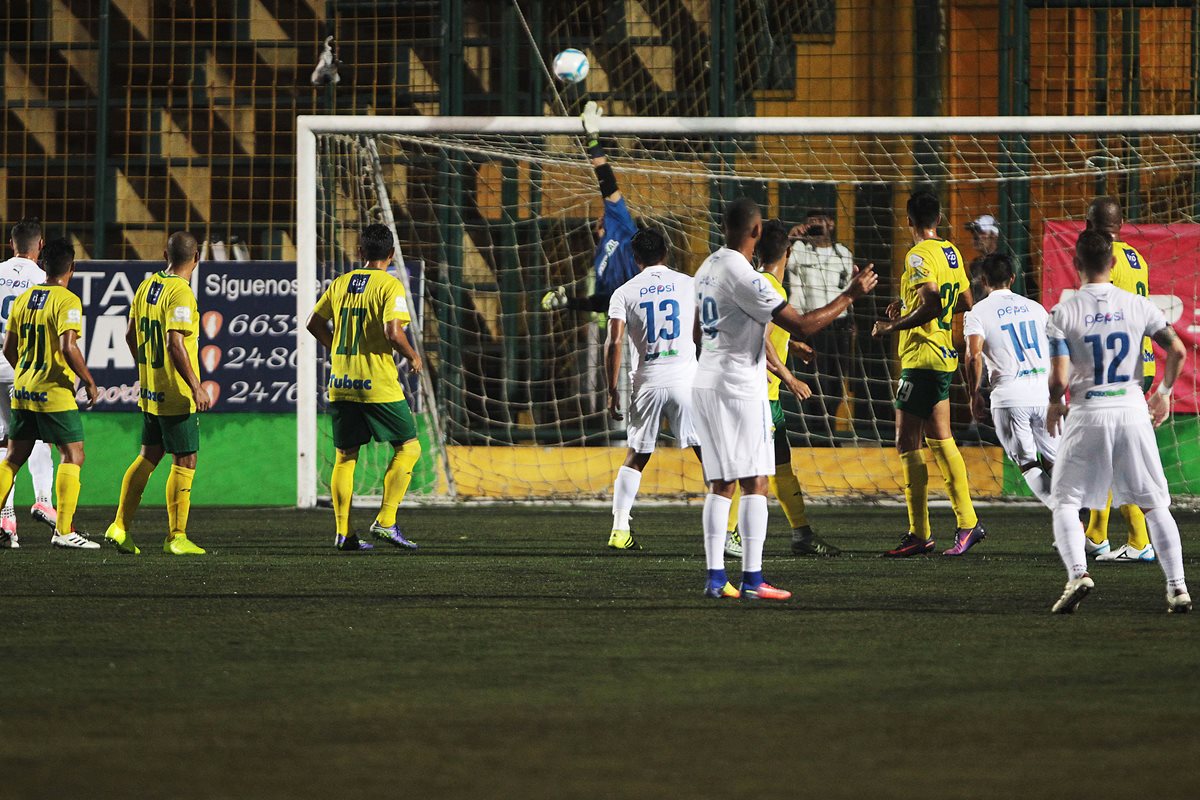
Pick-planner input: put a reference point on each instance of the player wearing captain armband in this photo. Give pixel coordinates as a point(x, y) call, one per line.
point(164, 326)
point(733, 415)
point(934, 287)
point(656, 309)
point(1007, 331)
point(41, 342)
point(1130, 272)
point(613, 264)
point(368, 310)
point(1108, 436)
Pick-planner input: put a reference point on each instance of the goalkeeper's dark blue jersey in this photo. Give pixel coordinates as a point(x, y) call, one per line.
point(614, 257)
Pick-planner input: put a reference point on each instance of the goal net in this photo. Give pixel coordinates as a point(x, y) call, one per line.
point(492, 213)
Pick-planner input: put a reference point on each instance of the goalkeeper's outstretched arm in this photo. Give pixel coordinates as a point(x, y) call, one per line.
point(604, 172)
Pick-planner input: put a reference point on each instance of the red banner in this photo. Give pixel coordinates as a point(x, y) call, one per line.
point(1173, 255)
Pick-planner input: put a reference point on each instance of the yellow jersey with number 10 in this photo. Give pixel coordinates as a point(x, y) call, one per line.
point(1132, 273)
point(42, 381)
point(931, 346)
point(164, 303)
point(779, 339)
point(361, 303)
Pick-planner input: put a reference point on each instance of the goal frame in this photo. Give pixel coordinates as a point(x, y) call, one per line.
point(309, 126)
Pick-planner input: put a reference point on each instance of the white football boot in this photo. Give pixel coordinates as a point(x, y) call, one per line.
point(1128, 555)
point(1093, 550)
point(73, 541)
point(733, 544)
point(1073, 594)
point(1178, 601)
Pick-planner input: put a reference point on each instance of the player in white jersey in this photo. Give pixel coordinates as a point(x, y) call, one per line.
point(1008, 332)
point(733, 416)
point(655, 308)
point(18, 274)
point(1108, 441)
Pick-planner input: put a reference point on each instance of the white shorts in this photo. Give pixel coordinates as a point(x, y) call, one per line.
point(1023, 435)
point(1112, 448)
point(735, 435)
point(5, 409)
point(646, 411)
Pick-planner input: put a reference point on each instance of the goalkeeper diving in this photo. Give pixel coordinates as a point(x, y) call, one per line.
point(613, 263)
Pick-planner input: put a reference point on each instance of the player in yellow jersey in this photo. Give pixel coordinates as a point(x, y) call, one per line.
point(164, 324)
point(42, 345)
point(369, 312)
point(934, 287)
point(1131, 273)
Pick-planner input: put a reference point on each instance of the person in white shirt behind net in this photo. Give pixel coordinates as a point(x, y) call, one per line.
point(1108, 439)
point(819, 268)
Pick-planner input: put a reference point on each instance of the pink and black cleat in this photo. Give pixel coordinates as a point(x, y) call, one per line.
point(965, 539)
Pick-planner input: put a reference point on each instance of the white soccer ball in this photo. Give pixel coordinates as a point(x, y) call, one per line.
point(571, 65)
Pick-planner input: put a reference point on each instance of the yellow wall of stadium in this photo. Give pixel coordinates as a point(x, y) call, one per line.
point(532, 472)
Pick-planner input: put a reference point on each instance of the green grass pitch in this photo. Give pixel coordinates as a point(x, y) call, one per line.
point(514, 656)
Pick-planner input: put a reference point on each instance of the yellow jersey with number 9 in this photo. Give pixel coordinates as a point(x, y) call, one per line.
point(361, 303)
point(164, 303)
point(778, 339)
point(1132, 273)
point(931, 346)
point(42, 381)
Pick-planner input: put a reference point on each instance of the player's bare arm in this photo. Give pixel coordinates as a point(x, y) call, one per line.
point(591, 126)
point(1160, 399)
point(1060, 375)
point(612, 365)
point(318, 326)
point(929, 309)
point(68, 344)
point(131, 339)
point(802, 351)
point(10, 346)
point(177, 352)
point(965, 302)
point(398, 338)
point(974, 375)
point(776, 367)
point(805, 325)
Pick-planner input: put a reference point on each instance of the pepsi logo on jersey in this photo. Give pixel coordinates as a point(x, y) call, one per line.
point(1101, 319)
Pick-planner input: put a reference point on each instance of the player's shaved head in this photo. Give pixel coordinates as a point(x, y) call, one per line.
point(649, 247)
point(997, 270)
point(25, 235)
point(1104, 215)
point(924, 210)
point(57, 257)
point(376, 243)
point(741, 220)
point(1093, 254)
point(182, 248)
point(774, 242)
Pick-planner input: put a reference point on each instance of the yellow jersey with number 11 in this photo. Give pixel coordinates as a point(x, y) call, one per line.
point(42, 381)
point(1132, 273)
point(931, 346)
point(164, 303)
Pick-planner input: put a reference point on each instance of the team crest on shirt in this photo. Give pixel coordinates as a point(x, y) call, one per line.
point(37, 298)
point(1134, 261)
point(74, 315)
point(183, 314)
point(917, 265)
point(154, 293)
point(358, 284)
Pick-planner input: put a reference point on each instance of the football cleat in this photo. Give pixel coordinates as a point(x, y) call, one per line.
point(764, 591)
point(1073, 595)
point(8, 533)
point(392, 535)
point(1129, 555)
point(351, 543)
point(733, 543)
point(726, 592)
point(121, 540)
point(554, 300)
point(807, 543)
point(1095, 549)
point(45, 514)
point(623, 540)
point(911, 545)
point(181, 545)
point(965, 539)
point(73, 541)
point(1178, 601)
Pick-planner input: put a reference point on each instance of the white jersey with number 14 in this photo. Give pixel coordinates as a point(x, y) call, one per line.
point(1014, 348)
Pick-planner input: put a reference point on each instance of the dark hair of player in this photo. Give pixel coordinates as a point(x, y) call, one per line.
point(57, 257)
point(181, 248)
point(1093, 252)
point(924, 209)
point(376, 242)
point(774, 242)
point(1104, 215)
point(740, 217)
point(26, 234)
point(649, 247)
point(997, 269)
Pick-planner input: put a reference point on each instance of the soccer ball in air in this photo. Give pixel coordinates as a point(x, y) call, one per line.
point(571, 65)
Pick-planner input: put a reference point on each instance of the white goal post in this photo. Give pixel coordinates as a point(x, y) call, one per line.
point(310, 128)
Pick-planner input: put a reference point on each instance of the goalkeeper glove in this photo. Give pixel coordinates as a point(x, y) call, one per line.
point(591, 126)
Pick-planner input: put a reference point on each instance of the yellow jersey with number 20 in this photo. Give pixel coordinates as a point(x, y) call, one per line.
point(42, 381)
point(778, 339)
point(361, 303)
point(931, 346)
point(1132, 273)
point(164, 303)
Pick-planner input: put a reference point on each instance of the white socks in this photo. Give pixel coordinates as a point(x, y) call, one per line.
point(1164, 533)
point(716, 515)
point(41, 468)
point(752, 523)
point(1039, 484)
point(1068, 537)
point(625, 489)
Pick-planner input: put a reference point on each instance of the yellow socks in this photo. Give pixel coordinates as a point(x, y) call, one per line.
point(916, 492)
point(1097, 527)
point(1139, 535)
point(396, 480)
point(132, 486)
point(179, 499)
point(736, 500)
point(342, 488)
point(66, 486)
point(786, 489)
point(954, 471)
point(7, 475)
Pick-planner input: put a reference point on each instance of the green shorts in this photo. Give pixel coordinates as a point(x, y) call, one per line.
point(355, 424)
point(178, 434)
point(55, 427)
point(1147, 382)
point(783, 449)
point(920, 390)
